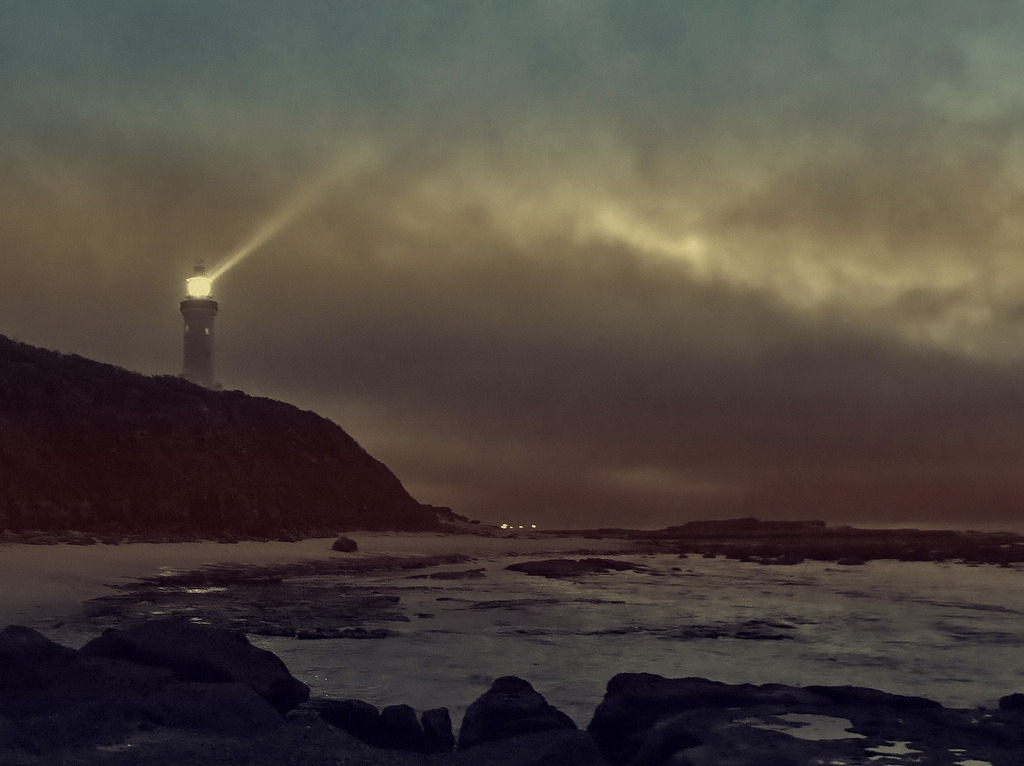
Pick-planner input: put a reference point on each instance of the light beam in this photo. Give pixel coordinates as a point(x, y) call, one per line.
point(306, 195)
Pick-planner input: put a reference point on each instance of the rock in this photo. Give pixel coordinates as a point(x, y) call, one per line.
point(358, 718)
point(39, 677)
point(437, 731)
point(278, 631)
point(557, 568)
point(203, 654)
point(509, 708)
point(665, 740)
point(345, 545)
point(859, 695)
point(555, 747)
point(647, 720)
point(58, 697)
point(1012, 702)
point(462, 574)
point(400, 729)
point(227, 708)
point(635, 702)
point(321, 634)
point(21, 647)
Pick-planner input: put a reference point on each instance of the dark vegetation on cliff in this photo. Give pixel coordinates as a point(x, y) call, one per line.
point(93, 447)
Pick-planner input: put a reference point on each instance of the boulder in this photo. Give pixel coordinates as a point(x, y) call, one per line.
point(665, 740)
point(39, 677)
point(226, 708)
point(437, 731)
point(29, 657)
point(345, 545)
point(57, 697)
point(1012, 702)
point(509, 708)
point(635, 702)
point(554, 747)
point(647, 720)
point(860, 695)
point(358, 718)
point(400, 729)
point(203, 654)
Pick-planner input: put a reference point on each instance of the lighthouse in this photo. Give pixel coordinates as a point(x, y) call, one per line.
point(198, 311)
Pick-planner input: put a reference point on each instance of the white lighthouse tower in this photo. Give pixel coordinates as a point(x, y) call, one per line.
point(198, 311)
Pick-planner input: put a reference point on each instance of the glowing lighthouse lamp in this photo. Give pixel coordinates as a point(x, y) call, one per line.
point(200, 285)
point(198, 311)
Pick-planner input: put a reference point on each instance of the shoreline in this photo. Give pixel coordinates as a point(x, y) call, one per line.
point(51, 582)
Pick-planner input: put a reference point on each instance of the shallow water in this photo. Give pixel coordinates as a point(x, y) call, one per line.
point(940, 630)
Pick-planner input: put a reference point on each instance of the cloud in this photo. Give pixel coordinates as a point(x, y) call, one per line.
point(705, 259)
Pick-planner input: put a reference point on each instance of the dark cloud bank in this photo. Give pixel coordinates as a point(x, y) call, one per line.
point(576, 266)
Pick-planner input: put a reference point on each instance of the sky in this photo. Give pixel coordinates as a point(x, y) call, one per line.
point(565, 262)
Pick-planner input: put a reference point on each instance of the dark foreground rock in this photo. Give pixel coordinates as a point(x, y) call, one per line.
point(355, 717)
point(647, 720)
point(395, 727)
point(55, 698)
point(438, 736)
point(509, 708)
point(154, 706)
point(345, 545)
point(1012, 702)
point(201, 653)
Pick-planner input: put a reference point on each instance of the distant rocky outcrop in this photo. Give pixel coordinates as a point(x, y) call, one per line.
point(793, 542)
point(92, 447)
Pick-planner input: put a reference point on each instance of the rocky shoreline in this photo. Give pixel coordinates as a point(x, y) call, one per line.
point(778, 543)
point(172, 692)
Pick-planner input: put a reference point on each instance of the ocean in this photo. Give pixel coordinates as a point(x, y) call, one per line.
point(941, 630)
